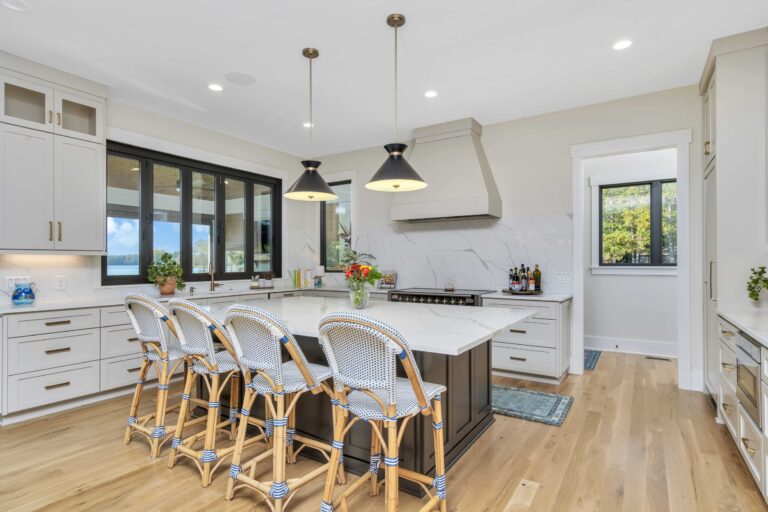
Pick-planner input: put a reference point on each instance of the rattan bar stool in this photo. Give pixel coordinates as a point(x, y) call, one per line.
point(363, 354)
point(257, 342)
point(196, 330)
point(148, 317)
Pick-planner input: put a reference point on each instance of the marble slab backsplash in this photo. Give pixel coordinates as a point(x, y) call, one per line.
point(475, 254)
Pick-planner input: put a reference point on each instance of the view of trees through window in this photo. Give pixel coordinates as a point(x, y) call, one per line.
point(638, 224)
point(336, 226)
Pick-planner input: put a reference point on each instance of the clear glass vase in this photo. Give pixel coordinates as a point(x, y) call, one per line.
point(358, 295)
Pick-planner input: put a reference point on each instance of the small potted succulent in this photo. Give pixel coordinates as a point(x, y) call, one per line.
point(758, 281)
point(166, 274)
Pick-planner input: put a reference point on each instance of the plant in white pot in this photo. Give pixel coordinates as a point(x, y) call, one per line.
point(167, 274)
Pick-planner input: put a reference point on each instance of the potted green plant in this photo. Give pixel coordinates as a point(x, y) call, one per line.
point(167, 274)
point(757, 282)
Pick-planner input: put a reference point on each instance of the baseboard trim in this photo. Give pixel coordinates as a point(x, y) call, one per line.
point(630, 346)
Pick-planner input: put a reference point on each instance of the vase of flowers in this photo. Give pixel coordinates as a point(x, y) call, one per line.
point(166, 274)
point(361, 275)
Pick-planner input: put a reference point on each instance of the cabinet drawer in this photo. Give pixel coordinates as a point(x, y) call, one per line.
point(729, 408)
point(727, 333)
point(124, 371)
point(520, 358)
point(114, 315)
point(28, 324)
point(49, 386)
point(40, 352)
point(750, 443)
point(544, 310)
point(727, 365)
point(537, 333)
point(119, 341)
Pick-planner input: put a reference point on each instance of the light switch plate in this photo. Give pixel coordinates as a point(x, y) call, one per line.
point(563, 277)
point(61, 282)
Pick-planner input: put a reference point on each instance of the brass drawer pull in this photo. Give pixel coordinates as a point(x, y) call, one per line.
point(728, 367)
point(59, 223)
point(133, 370)
point(55, 386)
point(57, 323)
point(728, 334)
point(131, 340)
point(745, 442)
point(518, 358)
point(57, 350)
point(58, 118)
point(706, 147)
point(50, 231)
point(518, 331)
point(50, 116)
point(726, 407)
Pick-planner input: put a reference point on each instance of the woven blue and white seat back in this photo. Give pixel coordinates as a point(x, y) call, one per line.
point(194, 328)
point(363, 352)
point(147, 316)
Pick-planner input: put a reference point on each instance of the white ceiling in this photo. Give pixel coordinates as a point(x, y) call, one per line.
point(492, 59)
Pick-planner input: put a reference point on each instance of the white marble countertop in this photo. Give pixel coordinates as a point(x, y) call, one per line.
point(544, 297)
point(753, 322)
point(450, 330)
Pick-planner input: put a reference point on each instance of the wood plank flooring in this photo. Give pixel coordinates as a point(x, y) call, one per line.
point(632, 442)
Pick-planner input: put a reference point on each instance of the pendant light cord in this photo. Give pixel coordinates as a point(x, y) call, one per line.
point(396, 102)
point(311, 119)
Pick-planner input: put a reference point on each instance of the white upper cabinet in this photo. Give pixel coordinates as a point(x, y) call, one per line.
point(26, 103)
point(79, 116)
point(79, 179)
point(26, 189)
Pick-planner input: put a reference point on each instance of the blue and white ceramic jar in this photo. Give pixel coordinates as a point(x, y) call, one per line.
point(24, 293)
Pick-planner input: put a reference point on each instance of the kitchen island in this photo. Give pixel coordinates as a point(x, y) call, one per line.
point(452, 346)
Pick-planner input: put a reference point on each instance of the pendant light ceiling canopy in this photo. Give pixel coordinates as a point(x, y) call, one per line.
point(396, 174)
point(310, 186)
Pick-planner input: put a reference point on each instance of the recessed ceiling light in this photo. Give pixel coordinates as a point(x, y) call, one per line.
point(308, 125)
point(430, 94)
point(16, 5)
point(239, 78)
point(622, 45)
point(215, 87)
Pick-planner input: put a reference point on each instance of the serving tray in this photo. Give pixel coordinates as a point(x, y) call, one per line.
point(523, 292)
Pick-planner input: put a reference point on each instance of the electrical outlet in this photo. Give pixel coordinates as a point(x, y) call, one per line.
point(61, 282)
point(563, 277)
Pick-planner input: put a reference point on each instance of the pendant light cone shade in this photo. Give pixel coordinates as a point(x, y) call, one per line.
point(396, 174)
point(310, 186)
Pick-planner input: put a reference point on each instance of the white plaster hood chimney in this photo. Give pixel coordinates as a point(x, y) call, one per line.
point(451, 159)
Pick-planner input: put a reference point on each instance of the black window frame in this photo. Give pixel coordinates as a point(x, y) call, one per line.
point(146, 158)
point(323, 233)
point(656, 223)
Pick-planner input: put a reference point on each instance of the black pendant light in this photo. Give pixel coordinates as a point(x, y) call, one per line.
point(396, 174)
point(310, 186)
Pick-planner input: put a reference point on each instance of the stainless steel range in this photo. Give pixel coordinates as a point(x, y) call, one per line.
point(438, 296)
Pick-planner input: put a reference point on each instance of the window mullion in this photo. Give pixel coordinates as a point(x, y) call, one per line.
point(656, 223)
point(147, 211)
point(249, 238)
point(218, 263)
point(186, 222)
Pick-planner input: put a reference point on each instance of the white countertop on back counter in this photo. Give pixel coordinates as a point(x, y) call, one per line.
point(544, 297)
point(753, 322)
point(438, 329)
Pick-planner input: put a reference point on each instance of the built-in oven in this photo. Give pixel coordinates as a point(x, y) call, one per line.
point(748, 377)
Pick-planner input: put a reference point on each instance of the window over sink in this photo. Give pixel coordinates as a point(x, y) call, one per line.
point(195, 211)
point(336, 226)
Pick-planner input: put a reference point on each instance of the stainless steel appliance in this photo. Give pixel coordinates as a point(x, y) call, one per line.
point(748, 377)
point(438, 296)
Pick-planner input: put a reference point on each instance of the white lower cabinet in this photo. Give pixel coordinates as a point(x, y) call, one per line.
point(525, 359)
point(118, 341)
point(46, 351)
point(49, 386)
point(729, 408)
point(750, 443)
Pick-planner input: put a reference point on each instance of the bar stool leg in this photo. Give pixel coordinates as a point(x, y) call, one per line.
point(437, 417)
point(132, 414)
point(184, 411)
point(234, 401)
point(290, 433)
point(234, 469)
point(333, 465)
point(375, 457)
point(209, 455)
point(279, 488)
point(391, 462)
point(158, 433)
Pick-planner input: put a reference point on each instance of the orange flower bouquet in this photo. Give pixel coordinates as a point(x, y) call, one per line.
point(358, 276)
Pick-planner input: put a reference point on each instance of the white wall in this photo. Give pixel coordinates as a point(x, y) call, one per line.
point(628, 313)
point(531, 162)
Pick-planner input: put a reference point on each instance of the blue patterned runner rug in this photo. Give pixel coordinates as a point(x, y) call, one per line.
point(530, 405)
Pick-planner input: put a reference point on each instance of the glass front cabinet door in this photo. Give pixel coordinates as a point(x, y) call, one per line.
point(25, 103)
point(78, 116)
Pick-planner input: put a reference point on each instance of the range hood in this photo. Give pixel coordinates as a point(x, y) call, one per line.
point(451, 159)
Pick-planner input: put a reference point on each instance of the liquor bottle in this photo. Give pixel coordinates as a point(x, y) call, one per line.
point(531, 282)
point(511, 279)
point(537, 277)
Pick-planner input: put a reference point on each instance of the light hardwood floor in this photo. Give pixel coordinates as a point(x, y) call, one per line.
point(632, 441)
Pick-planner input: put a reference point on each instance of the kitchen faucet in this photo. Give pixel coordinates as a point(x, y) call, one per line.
point(214, 284)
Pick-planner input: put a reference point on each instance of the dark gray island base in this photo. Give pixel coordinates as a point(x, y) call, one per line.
point(466, 408)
